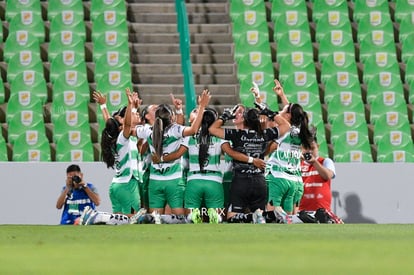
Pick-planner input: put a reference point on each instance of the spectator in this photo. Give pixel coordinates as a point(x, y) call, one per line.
point(76, 195)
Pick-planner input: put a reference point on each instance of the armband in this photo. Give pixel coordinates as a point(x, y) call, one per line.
point(179, 111)
point(103, 106)
point(250, 160)
point(134, 110)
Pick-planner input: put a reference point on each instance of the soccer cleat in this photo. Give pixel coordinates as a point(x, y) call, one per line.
point(136, 217)
point(157, 217)
point(284, 216)
point(195, 216)
point(85, 215)
point(213, 216)
point(258, 217)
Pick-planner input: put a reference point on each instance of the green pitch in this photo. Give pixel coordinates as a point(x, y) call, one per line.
point(207, 249)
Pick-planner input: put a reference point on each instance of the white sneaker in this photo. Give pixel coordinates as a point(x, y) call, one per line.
point(135, 218)
point(258, 217)
point(157, 217)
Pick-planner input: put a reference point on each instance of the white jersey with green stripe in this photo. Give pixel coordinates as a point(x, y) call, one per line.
point(126, 160)
point(212, 169)
point(284, 162)
point(172, 140)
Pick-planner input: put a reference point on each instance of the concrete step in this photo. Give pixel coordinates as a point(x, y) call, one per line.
point(161, 48)
point(195, 18)
point(199, 79)
point(172, 28)
point(176, 69)
point(134, 8)
point(176, 58)
point(169, 38)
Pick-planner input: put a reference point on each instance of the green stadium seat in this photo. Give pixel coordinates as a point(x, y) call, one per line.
point(322, 7)
point(28, 21)
point(252, 40)
point(280, 7)
point(348, 121)
point(24, 61)
point(351, 140)
point(301, 82)
point(20, 41)
point(254, 61)
point(78, 155)
point(249, 21)
point(266, 93)
point(70, 120)
point(377, 63)
point(110, 41)
point(68, 100)
point(25, 120)
point(373, 21)
point(343, 82)
point(67, 20)
point(59, 7)
point(310, 103)
point(406, 27)
point(387, 101)
point(363, 7)
point(396, 156)
point(23, 101)
point(407, 48)
point(403, 9)
point(14, 8)
point(31, 146)
point(384, 82)
point(390, 121)
point(295, 62)
point(31, 81)
point(338, 62)
point(67, 60)
point(394, 141)
point(74, 141)
point(109, 21)
point(239, 8)
point(67, 40)
point(411, 93)
point(344, 101)
point(291, 20)
point(293, 41)
point(323, 147)
point(3, 150)
point(332, 21)
point(98, 7)
point(354, 156)
point(378, 41)
point(2, 92)
point(72, 80)
point(335, 41)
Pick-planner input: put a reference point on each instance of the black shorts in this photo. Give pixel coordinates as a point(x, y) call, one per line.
point(247, 193)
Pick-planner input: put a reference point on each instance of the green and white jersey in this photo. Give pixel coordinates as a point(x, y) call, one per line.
point(212, 169)
point(126, 160)
point(172, 140)
point(284, 162)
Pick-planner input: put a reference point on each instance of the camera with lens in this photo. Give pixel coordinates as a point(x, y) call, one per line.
point(76, 179)
point(307, 156)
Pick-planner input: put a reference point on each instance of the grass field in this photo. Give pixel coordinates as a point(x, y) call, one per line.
point(207, 249)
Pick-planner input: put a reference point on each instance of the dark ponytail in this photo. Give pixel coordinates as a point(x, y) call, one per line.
point(108, 142)
point(204, 137)
point(162, 122)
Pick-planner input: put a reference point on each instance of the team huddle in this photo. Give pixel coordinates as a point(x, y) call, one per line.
point(264, 168)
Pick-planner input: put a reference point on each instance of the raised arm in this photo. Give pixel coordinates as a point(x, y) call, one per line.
point(101, 100)
point(215, 128)
point(283, 124)
point(132, 102)
point(178, 105)
point(278, 89)
point(203, 101)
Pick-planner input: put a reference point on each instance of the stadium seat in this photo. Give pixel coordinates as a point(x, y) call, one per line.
point(322, 7)
point(387, 101)
point(344, 101)
point(390, 121)
point(3, 150)
point(343, 82)
point(351, 140)
point(406, 27)
point(357, 156)
point(377, 63)
point(2, 92)
point(14, 8)
point(66, 41)
point(254, 61)
point(293, 41)
point(335, 41)
point(31, 81)
point(74, 140)
point(24, 61)
point(59, 7)
point(67, 60)
point(20, 41)
point(338, 62)
point(98, 7)
point(113, 85)
point(68, 100)
point(332, 21)
point(31, 146)
point(25, 120)
point(394, 141)
point(252, 40)
point(301, 82)
point(396, 156)
point(291, 20)
point(363, 7)
point(411, 93)
point(384, 82)
point(28, 21)
point(23, 101)
point(266, 91)
point(407, 48)
point(403, 9)
point(238, 8)
point(378, 41)
point(72, 80)
point(348, 121)
point(309, 101)
point(280, 7)
point(294, 62)
point(77, 155)
point(67, 20)
point(70, 120)
point(373, 21)
point(323, 147)
point(109, 21)
point(249, 21)
point(110, 41)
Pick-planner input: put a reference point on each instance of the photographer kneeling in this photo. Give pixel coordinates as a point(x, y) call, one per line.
point(76, 195)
